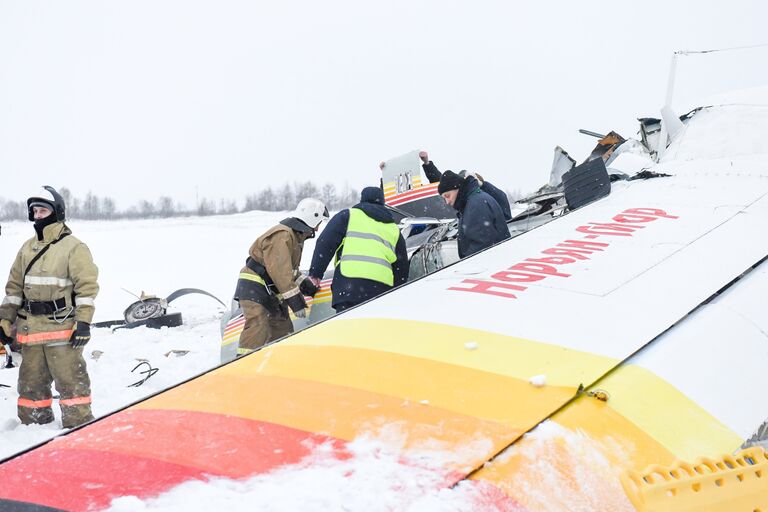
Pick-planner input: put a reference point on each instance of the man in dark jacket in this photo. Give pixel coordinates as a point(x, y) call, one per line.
point(481, 222)
point(434, 174)
point(368, 248)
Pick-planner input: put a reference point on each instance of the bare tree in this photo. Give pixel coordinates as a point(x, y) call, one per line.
point(329, 196)
point(251, 202)
point(285, 199)
point(304, 190)
point(73, 208)
point(227, 206)
point(347, 198)
point(108, 208)
point(267, 200)
point(205, 207)
point(13, 210)
point(263, 200)
point(146, 209)
point(66, 194)
point(90, 208)
point(165, 207)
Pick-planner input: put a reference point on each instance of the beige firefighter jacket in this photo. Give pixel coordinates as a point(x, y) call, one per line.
point(279, 250)
point(66, 270)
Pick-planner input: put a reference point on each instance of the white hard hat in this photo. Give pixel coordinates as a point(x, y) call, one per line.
point(311, 212)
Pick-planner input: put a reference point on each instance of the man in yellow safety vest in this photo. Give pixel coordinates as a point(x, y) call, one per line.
point(370, 252)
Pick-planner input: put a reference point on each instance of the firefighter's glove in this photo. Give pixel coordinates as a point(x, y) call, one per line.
point(82, 335)
point(308, 286)
point(5, 332)
point(297, 305)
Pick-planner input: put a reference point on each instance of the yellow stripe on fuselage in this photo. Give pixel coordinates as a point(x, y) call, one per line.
point(494, 353)
point(645, 421)
point(659, 409)
point(458, 389)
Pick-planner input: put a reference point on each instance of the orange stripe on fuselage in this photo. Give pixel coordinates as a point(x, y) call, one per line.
point(459, 389)
point(337, 411)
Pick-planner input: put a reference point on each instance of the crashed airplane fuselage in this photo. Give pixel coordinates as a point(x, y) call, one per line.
point(430, 227)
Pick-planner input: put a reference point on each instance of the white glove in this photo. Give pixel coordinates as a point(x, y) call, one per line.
point(302, 313)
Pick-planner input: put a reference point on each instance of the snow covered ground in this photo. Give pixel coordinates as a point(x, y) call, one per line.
point(158, 257)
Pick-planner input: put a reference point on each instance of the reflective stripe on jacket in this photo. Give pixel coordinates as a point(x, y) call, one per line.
point(368, 248)
point(279, 252)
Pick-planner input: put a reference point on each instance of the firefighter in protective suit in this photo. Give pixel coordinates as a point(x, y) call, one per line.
point(270, 282)
point(50, 295)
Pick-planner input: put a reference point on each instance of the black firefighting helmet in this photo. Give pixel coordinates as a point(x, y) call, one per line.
point(51, 200)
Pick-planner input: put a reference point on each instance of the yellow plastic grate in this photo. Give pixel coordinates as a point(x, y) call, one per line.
point(730, 484)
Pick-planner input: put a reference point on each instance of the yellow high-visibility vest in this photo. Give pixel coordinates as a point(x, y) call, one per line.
point(369, 248)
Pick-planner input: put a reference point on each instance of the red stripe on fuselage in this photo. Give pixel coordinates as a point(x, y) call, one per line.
point(144, 452)
point(402, 200)
point(86, 479)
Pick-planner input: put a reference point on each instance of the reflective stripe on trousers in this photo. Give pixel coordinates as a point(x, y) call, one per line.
point(35, 404)
point(78, 400)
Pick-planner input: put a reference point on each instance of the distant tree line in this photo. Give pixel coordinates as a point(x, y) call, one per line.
point(269, 199)
point(93, 207)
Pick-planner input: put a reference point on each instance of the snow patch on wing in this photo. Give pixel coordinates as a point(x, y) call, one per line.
point(375, 477)
point(562, 469)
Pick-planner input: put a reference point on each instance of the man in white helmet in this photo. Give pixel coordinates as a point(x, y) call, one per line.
point(270, 283)
point(50, 295)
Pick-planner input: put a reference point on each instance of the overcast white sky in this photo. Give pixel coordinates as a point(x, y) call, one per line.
point(141, 98)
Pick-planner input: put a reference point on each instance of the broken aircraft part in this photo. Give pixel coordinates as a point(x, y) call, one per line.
point(152, 311)
point(586, 183)
point(429, 226)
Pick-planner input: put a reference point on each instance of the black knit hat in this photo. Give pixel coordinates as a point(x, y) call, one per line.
point(449, 181)
point(372, 195)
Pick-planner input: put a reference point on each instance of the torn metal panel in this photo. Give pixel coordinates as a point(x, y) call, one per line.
point(606, 146)
point(650, 131)
point(561, 164)
point(586, 183)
